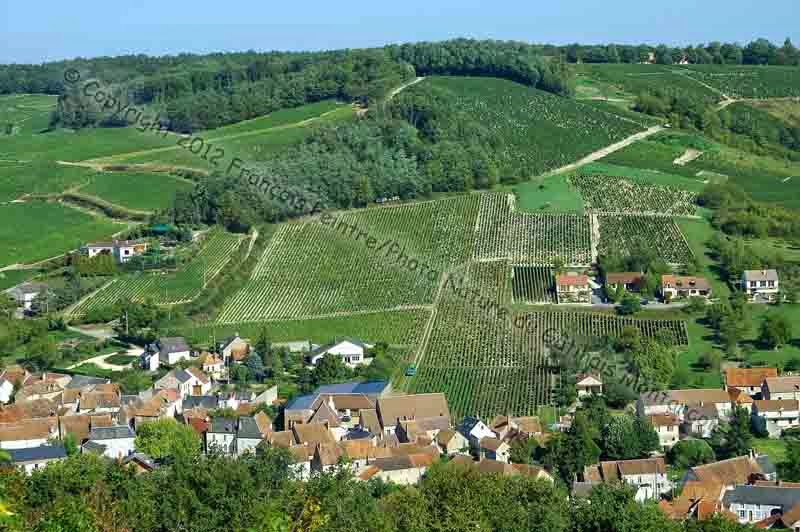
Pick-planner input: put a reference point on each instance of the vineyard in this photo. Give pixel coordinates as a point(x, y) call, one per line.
point(620, 233)
point(739, 81)
point(311, 269)
point(166, 288)
point(537, 131)
point(488, 366)
point(603, 193)
point(503, 233)
point(533, 284)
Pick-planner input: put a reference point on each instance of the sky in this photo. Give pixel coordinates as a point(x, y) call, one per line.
point(35, 32)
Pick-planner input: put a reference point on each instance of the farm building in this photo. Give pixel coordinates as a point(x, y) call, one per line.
point(629, 281)
point(677, 287)
point(351, 351)
point(761, 285)
point(25, 293)
point(121, 250)
point(573, 288)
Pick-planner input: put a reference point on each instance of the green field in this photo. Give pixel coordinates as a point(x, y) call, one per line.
point(138, 191)
point(11, 278)
point(548, 194)
point(36, 230)
point(747, 81)
point(698, 233)
point(538, 131)
point(22, 114)
point(252, 140)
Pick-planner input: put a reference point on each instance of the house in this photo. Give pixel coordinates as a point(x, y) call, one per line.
point(403, 470)
point(212, 365)
point(700, 501)
point(775, 416)
point(351, 351)
point(495, 449)
point(233, 349)
point(628, 281)
point(99, 403)
point(301, 468)
point(451, 442)
point(493, 467)
point(727, 473)
point(700, 421)
point(33, 458)
point(150, 360)
point(82, 381)
point(121, 250)
point(354, 400)
point(26, 434)
point(312, 434)
point(573, 288)
point(761, 285)
point(248, 436)
point(409, 431)
point(112, 442)
point(755, 503)
point(393, 409)
point(474, 430)
point(777, 388)
point(588, 384)
point(268, 396)
point(24, 294)
point(173, 350)
point(300, 346)
point(80, 426)
point(667, 427)
point(326, 457)
point(221, 436)
point(141, 463)
point(741, 399)
point(682, 402)
point(506, 427)
point(680, 286)
point(189, 381)
point(648, 476)
point(749, 380)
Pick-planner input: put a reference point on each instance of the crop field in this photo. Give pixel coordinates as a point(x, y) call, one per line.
point(251, 140)
point(25, 113)
point(633, 80)
point(611, 194)
point(138, 191)
point(488, 366)
point(543, 131)
point(533, 284)
point(620, 232)
point(400, 328)
point(36, 230)
point(167, 288)
point(623, 110)
point(311, 269)
point(788, 112)
point(503, 233)
point(745, 81)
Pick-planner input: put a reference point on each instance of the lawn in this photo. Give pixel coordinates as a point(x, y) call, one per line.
point(121, 360)
point(775, 449)
point(549, 194)
point(698, 233)
point(25, 113)
point(11, 278)
point(34, 231)
point(138, 191)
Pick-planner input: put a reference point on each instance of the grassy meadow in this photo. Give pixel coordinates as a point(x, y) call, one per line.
point(138, 191)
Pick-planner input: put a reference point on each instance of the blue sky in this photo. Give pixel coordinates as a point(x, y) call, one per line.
point(32, 31)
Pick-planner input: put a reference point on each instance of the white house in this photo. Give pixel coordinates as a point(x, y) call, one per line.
point(780, 388)
point(248, 436)
point(452, 442)
point(403, 470)
point(34, 458)
point(668, 429)
point(573, 288)
point(233, 349)
point(762, 285)
point(683, 402)
point(150, 360)
point(173, 350)
point(25, 293)
point(776, 415)
point(648, 476)
point(679, 286)
point(221, 436)
point(121, 250)
point(6, 390)
point(474, 430)
point(112, 442)
point(26, 434)
point(268, 396)
point(189, 381)
point(588, 384)
point(495, 449)
point(752, 504)
point(351, 351)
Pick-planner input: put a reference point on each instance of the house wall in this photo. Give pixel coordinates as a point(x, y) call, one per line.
point(776, 422)
point(223, 443)
point(403, 477)
point(174, 358)
point(118, 448)
point(23, 444)
point(649, 486)
point(752, 513)
point(29, 467)
point(244, 445)
point(668, 435)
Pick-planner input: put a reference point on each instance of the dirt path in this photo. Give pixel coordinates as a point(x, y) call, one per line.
point(403, 87)
point(608, 150)
point(100, 361)
point(253, 239)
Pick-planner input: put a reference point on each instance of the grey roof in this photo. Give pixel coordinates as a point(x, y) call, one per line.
point(174, 344)
point(140, 457)
point(79, 381)
point(358, 434)
point(371, 389)
point(94, 447)
point(209, 402)
point(111, 433)
point(223, 425)
point(248, 428)
point(183, 376)
point(28, 288)
point(43, 452)
point(766, 495)
point(760, 275)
